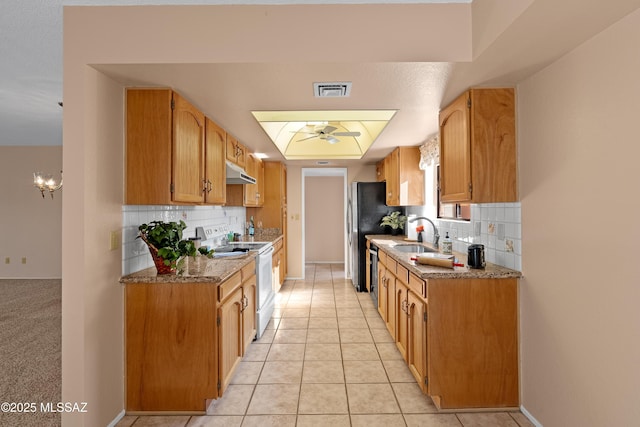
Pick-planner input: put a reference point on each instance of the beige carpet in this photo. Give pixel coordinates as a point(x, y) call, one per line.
point(30, 350)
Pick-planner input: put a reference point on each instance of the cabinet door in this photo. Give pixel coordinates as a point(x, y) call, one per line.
point(188, 152)
point(455, 151)
point(230, 336)
point(402, 321)
point(391, 306)
point(417, 339)
point(249, 311)
point(215, 169)
point(250, 191)
point(236, 152)
point(382, 291)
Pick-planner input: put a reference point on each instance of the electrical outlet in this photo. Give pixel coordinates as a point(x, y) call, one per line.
point(24, 259)
point(501, 231)
point(476, 228)
point(453, 233)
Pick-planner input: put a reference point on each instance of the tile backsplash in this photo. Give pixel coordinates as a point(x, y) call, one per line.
point(495, 225)
point(135, 254)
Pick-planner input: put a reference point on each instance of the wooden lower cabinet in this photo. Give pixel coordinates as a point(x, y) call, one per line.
point(459, 337)
point(184, 340)
point(472, 327)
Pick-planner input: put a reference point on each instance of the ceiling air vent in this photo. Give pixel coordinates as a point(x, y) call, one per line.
point(332, 90)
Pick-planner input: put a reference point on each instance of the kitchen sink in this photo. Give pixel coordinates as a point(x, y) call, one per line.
point(412, 248)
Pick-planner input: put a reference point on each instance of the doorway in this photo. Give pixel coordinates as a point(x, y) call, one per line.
point(324, 202)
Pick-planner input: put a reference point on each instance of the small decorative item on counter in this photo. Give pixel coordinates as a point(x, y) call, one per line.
point(447, 244)
point(419, 230)
point(163, 239)
point(167, 247)
point(395, 220)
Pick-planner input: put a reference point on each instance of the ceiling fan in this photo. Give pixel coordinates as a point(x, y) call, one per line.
point(326, 132)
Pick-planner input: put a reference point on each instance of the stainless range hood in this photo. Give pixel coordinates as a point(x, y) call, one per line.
point(237, 175)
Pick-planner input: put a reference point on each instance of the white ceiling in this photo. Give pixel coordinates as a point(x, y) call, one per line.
point(511, 39)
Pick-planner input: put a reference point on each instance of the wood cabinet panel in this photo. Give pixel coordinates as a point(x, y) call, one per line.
point(473, 342)
point(171, 346)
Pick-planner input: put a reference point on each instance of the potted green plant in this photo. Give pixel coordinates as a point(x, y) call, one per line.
point(166, 245)
point(395, 220)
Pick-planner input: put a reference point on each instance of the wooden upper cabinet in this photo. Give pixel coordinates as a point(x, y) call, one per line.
point(478, 147)
point(164, 149)
point(404, 178)
point(236, 152)
point(215, 168)
point(252, 194)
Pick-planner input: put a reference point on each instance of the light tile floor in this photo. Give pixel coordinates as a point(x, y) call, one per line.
point(326, 359)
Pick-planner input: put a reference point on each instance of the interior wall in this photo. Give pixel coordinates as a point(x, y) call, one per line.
point(580, 339)
point(324, 218)
point(31, 226)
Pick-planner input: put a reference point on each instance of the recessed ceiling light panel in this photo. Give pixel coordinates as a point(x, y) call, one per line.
point(332, 90)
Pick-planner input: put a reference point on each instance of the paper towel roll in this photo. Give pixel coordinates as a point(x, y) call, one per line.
point(412, 234)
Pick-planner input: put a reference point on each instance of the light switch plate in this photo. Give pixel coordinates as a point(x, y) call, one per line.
point(114, 240)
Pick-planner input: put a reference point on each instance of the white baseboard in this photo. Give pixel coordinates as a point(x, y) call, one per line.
point(117, 419)
point(530, 417)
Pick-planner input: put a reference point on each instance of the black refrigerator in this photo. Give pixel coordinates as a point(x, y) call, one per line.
point(365, 210)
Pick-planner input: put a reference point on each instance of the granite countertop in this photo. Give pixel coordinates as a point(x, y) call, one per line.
point(207, 270)
point(491, 271)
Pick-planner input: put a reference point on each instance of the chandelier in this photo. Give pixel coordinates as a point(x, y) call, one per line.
point(46, 183)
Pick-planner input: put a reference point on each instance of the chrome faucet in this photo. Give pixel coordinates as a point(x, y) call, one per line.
point(436, 236)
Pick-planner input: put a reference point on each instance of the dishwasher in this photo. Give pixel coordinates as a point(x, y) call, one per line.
point(373, 258)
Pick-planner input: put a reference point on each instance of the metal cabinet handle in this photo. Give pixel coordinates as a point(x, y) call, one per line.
point(209, 186)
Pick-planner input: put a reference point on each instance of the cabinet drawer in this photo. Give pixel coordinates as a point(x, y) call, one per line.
point(392, 265)
point(248, 270)
point(417, 285)
point(227, 287)
point(403, 274)
point(382, 257)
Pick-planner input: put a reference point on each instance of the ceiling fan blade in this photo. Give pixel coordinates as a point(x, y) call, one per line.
point(327, 129)
point(309, 137)
point(346, 134)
